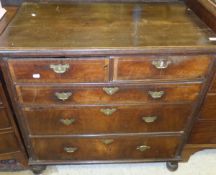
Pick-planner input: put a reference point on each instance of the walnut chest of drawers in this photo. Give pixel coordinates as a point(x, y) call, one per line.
point(106, 87)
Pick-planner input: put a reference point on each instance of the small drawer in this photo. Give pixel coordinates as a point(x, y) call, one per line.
point(161, 68)
point(115, 119)
point(59, 70)
point(39, 95)
point(209, 108)
point(8, 143)
point(121, 148)
point(204, 132)
point(4, 120)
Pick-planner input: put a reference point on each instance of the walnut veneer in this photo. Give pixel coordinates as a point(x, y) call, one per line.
point(107, 82)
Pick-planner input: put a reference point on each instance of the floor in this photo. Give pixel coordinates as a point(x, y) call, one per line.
point(202, 163)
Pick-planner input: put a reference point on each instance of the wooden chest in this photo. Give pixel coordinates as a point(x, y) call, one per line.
point(106, 87)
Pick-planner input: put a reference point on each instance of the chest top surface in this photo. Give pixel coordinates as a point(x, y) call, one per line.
point(105, 26)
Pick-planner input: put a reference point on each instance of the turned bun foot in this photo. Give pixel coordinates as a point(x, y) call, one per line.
point(38, 169)
point(172, 166)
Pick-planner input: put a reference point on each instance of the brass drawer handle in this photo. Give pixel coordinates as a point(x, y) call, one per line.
point(108, 111)
point(156, 94)
point(63, 95)
point(60, 68)
point(149, 119)
point(107, 141)
point(111, 90)
point(161, 64)
point(143, 148)
point(70, 149)
point(67, 121)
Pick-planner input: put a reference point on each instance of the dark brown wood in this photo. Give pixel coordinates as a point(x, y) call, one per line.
point(79, 70)
point(41, 95)
point(205, 10)
point(178, 68)
point(209, 107)
point(167, 31)
point(4, 120)
point(134, 28)
point(90, 120)
point(204, 132)
point(11, 11)
point(8, 143)
point(95, 149)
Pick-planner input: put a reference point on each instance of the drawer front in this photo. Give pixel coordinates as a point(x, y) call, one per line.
point(204, 132)
point(209, 108)
point(8, 143)
point(213, 87)
point(105, 148)
point(161, 68)
point(59, 71)
point(4, 120)
point(115, 119)
point(97, 95)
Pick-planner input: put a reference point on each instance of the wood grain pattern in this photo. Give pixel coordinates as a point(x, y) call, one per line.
point(134, 26)
point(79, 70)
point(209, 107)
point(4, 120)
point(94, 149)
point(204, 132)
point(178, 67)
point(8, 143)
point(44, 95)
point(90, 120)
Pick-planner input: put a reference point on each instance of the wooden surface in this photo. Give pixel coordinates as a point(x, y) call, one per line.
point(46, 95)
point(90, 120)
point(105, 26)
point(122, 148)
point(7, 17)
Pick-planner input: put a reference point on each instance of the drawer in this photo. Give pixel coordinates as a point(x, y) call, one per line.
point(100, 95)
point(115, 119)
point(8, 143)
point(204, 132)
point(120, 148)
point(161, 68)
point(59, 70)
point(213, 87)
point(4, 120)
point(209, 108)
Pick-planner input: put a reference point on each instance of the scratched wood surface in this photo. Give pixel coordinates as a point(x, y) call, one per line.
point(105, 25)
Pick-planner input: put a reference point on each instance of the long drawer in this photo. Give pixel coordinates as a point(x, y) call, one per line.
point(115, 119)
point(120, 148)
point(102, 95)
point(59, 70)
point(160, 67)
point(8, 143)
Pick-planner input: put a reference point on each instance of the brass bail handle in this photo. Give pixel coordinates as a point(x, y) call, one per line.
point(110, 90)
point(108, 111)
point(143, 148)
point(70, 149)
point(161, 64)
point(149, 119)
point(59, 68)
point(68, 121)
point(63, 95)
point(156, 94)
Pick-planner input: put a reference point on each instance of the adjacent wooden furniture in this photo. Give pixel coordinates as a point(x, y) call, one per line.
point(203, 134)
point(107, 82)
point(12, 153)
